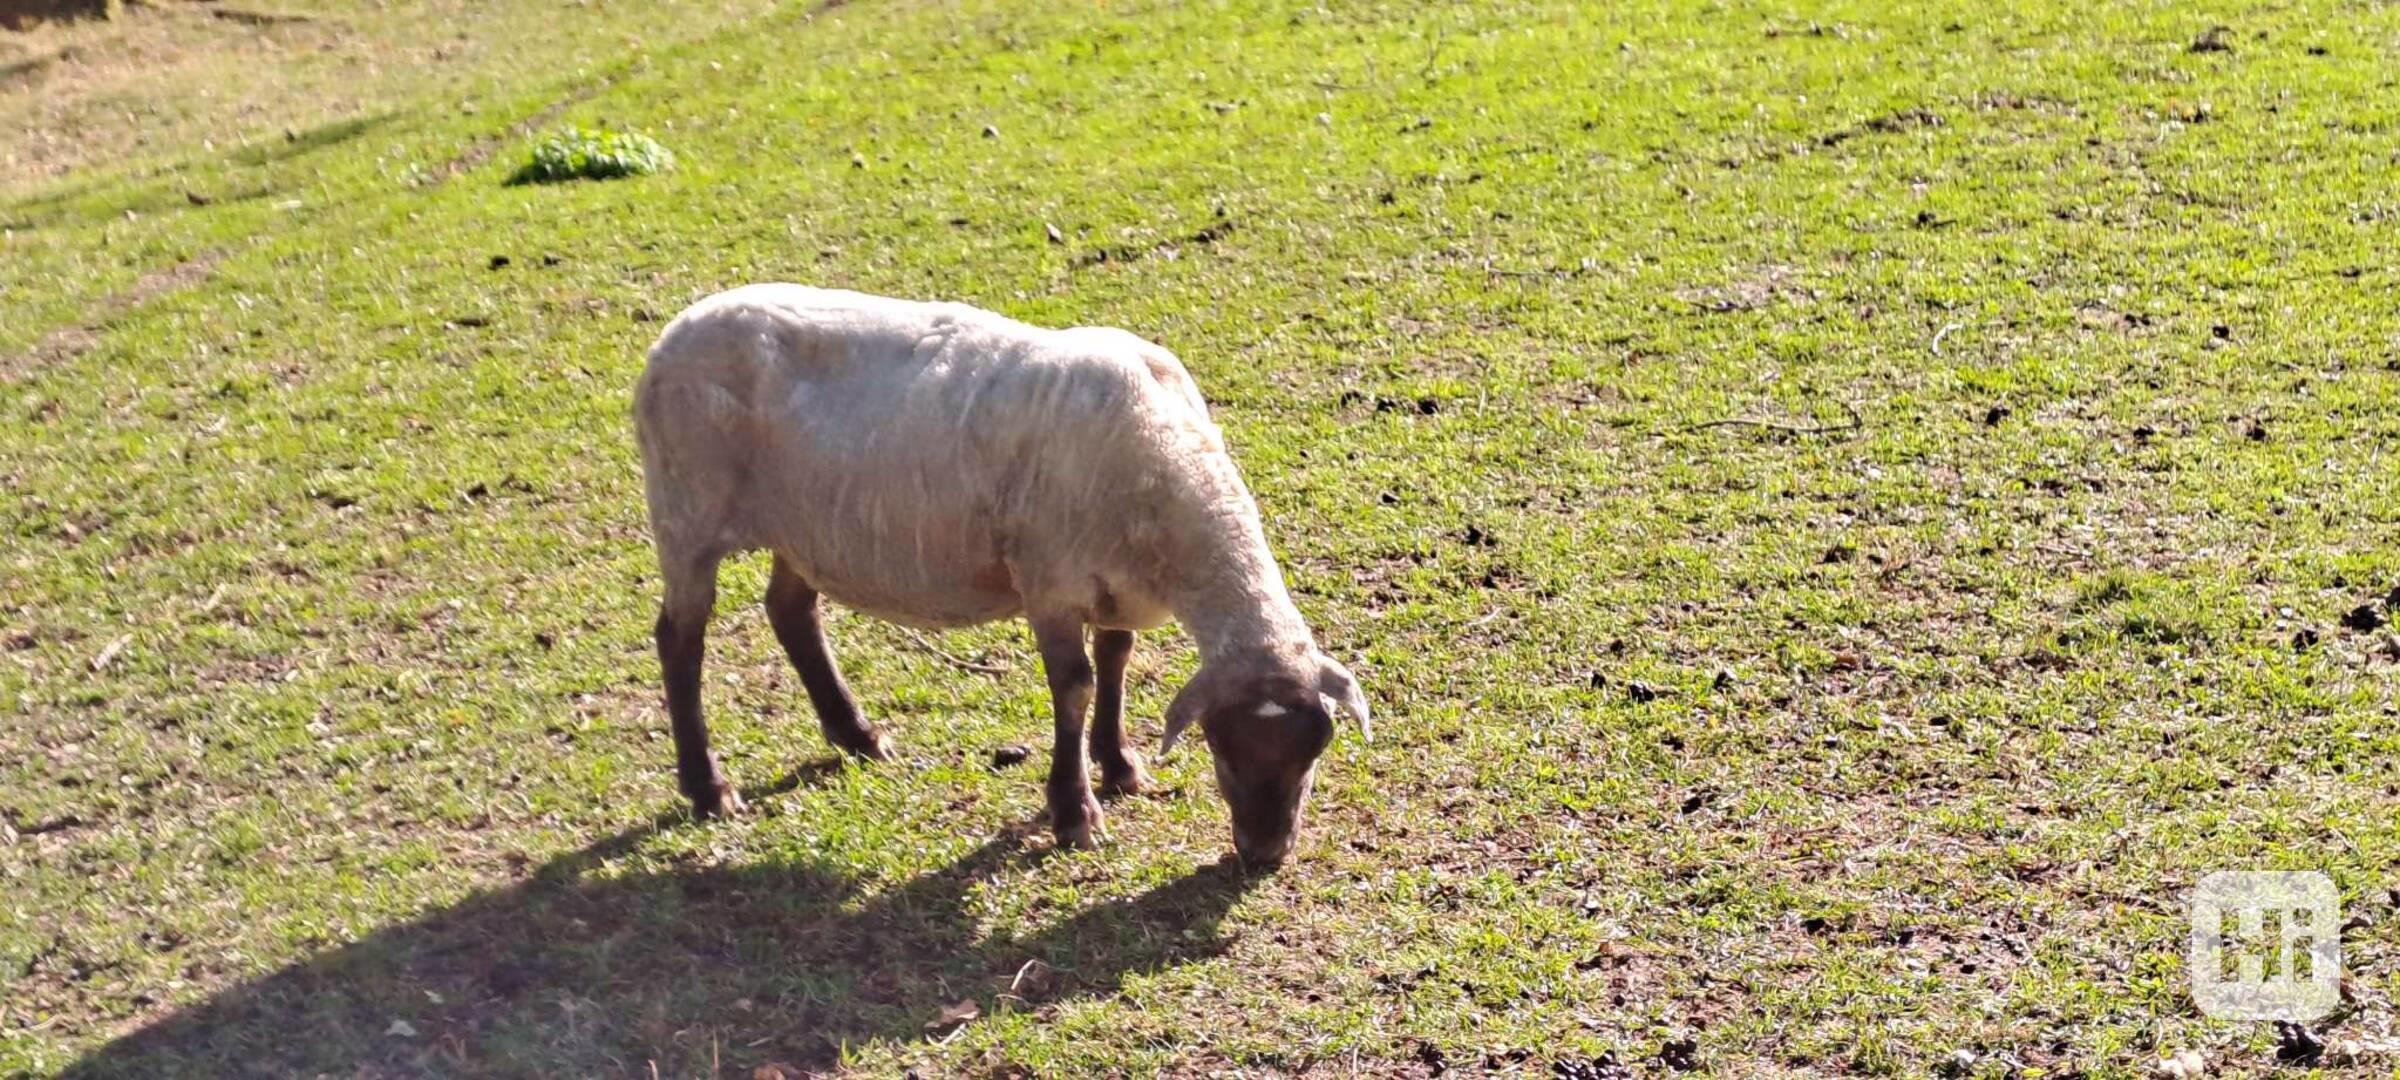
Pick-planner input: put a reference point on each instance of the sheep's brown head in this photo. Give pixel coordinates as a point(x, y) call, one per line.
point(1267, 718)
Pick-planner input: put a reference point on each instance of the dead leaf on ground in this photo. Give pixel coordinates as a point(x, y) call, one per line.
point(109, 654)
point(959, 1012)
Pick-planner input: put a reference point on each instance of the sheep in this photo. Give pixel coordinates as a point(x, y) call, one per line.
point(937, 465)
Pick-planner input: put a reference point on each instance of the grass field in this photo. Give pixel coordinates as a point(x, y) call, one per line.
point(1882, 732)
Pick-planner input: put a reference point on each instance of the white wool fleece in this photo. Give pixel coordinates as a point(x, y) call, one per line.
point(940, 465)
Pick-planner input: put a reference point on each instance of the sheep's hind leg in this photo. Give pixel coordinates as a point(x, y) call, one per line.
point(1121, 770)
point(792, 610)
point(682, 634)
point(1074, 814)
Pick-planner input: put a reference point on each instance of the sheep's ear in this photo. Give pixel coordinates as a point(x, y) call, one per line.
point(1190, 702)
point(1335, 683)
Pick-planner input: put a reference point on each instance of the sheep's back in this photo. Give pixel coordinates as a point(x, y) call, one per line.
point(933, 463)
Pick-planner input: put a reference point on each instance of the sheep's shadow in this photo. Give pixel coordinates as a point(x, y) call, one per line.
point(573, 972)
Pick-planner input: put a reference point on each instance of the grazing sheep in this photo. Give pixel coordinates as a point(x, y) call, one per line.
point(939, 465)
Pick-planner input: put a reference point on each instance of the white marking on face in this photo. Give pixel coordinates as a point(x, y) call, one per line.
point(1271, 709)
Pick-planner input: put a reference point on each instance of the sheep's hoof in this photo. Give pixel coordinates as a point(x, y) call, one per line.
point(1082, 835)
point(864, 742)
point(722, 802)
point(1124, 780)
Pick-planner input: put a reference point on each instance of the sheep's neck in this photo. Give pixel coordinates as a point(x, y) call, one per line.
point(1232, 598)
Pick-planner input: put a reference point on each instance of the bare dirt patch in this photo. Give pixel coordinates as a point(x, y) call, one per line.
point(64, 86)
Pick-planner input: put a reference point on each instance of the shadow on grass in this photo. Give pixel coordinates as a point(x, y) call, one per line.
point(296, 143)
point(89, 197)
point(576, 973)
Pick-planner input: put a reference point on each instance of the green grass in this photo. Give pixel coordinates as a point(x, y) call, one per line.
point(1816, 753)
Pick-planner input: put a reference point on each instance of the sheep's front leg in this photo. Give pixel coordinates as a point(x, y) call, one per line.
point(1120, 767)
point(1074, 814)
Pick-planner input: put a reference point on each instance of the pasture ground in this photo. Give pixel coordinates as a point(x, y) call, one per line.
point(1885, 741)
